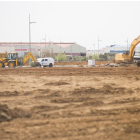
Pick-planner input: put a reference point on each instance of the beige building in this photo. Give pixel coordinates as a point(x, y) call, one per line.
point(39, 48)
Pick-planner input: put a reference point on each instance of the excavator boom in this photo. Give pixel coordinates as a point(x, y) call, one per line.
point(128, 55)
point(27, 57)
point(133, 45)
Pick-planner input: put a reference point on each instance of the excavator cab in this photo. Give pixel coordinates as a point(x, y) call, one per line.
point(126, 53)
point(12, 59)
point(12, 56)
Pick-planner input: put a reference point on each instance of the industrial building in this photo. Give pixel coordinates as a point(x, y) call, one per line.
point(92, 52)
point(39, 48)
point(119, 48)
point(70, 49)
point(112, 49)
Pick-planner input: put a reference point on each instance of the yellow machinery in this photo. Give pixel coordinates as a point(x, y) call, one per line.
point(128, 55)
point(12, 60)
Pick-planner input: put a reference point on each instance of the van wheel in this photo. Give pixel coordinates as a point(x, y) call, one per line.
point(50, 65)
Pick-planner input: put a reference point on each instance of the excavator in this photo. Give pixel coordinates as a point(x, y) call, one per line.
point(12, 60)
point(128, 56)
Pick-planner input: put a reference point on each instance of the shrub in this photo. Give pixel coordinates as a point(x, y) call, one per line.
point(61, 57)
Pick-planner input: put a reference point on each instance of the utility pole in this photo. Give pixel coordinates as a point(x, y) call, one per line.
point(40, 48)
point(21, 47)
point(114, 46)
point(60, 44)
point(30, 38)
point(49, 44)
point(98, 47)
point(94, 47)
point(71, 50)
point(45, 45)
point(127, 43)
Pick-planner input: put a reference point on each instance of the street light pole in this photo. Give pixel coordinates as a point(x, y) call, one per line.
point(49, 44)
point(60, 44)
point(94, 47)
point(45, 45)
point(30, 38)
point(21, 47)
point(127, 43)
point(98, 47)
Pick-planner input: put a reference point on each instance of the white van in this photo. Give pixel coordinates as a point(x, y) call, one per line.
point(47, 61)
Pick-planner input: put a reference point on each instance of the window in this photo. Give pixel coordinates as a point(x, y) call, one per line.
point(42, 59)
point(46, 59)
point(9, 56)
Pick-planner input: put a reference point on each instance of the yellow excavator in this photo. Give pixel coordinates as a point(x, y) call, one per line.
point(12, 60)
point(128, 55)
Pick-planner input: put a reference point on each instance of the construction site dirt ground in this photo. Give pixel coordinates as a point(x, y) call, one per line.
point(70, 103)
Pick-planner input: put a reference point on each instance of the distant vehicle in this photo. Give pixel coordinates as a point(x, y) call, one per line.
point(47, 61)
point(11, 60)
point(136, 57)
point(130, 55)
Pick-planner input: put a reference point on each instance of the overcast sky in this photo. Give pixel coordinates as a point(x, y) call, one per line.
point(80, 22)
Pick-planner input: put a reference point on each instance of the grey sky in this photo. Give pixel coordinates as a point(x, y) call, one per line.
point(80, 22)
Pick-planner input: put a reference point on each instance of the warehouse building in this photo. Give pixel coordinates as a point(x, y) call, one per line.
point(119, 48)
point(70, 49)
point(38, 49)
point(92, 52)
point(112, 49)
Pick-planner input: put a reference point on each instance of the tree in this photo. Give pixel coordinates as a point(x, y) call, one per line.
point(95, 57)
point(84, 58)
point(61, 57)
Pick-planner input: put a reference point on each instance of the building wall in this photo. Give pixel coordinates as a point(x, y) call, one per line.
point(92, 52)
point(23, 50)
point(37, 49)
point(73, 49)
point(119, 48)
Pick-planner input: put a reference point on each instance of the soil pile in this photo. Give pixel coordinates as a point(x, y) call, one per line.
point(7, 114)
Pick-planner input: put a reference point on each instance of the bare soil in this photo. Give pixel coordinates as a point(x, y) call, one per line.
point(81, 63)
point(70, 103)
point(77, 63)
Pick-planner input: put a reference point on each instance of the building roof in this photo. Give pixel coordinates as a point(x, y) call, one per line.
point(40, 44)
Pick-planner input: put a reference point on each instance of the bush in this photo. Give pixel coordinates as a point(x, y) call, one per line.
point(76, 58)
point(84, 58)
point(95, 57)
point(61, 57)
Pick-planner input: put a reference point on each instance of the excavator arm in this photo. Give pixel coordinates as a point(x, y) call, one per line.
point(133, 45)
point(128, 55)
point(27, 57)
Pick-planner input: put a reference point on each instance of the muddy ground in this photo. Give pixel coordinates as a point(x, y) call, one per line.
point(70, 103)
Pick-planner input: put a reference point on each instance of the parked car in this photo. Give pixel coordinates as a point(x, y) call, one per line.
point(47, 61)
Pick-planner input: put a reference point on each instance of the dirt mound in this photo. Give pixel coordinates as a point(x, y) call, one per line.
point(137, 78)
point(7, 114)
point(7, 93)
point(91, 103)
point(57, 83)
point(84, 91)
point(54, 94)
point(68, 100)
point(43, 108)
point(106, 89)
